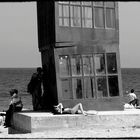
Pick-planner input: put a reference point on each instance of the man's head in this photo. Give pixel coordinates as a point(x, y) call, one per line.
point(132, 90)
point(13, 91)
point(39, 69)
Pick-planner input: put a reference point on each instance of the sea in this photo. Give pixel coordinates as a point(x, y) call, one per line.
point(19, 77)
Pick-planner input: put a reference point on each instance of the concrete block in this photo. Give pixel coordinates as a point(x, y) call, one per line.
point(30, 122)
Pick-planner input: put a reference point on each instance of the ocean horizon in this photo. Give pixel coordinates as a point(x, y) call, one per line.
point(19, 77)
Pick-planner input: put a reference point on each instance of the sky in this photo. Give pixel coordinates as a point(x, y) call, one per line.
point(19, 39)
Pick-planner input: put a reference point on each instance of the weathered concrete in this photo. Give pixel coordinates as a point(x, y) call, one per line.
point(33, 122)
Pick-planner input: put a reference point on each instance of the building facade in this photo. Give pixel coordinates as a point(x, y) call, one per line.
point(79, 45)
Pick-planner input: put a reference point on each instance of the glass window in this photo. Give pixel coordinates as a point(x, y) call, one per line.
point(63, 15)
point(99, 17)
point(66, 15)
point(77, 88)
point(89, 87)
point(87, 65)
point(101, 87)
point(110, 4)
point(99, 63)
point(111, 63)
point(86, 3)
point(75, 3)
point(113, 86)
point(110, 18)
point(64, 65)
point(64, 2)
point(60, 15)
point(87, 17)
point(66, 88)
point(76, 65)
point(98, 3)
point(75, 16)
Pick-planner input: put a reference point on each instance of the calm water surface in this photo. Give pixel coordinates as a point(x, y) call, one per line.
point(19, 78)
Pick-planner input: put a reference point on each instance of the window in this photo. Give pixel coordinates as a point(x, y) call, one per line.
point(111, 63)
point(99, 17)
point(63, 13)
point(104, 14)
point(113, 86)
point(99, 63)
point(99, 14)
point(76, 65)
point(88, 76)
point(110, 18)
point(110, 4)
point(64, 69)
point(89, 87)
point(98, 3)
point(87, 14)
point(64, 65)
point(75, 16)
point(87, 65)
point(77, 88)
point(101, 87)
point(110, 14)
point(66, 88)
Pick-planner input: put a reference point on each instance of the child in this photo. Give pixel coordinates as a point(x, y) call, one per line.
point(14, 106)
point(133, 100)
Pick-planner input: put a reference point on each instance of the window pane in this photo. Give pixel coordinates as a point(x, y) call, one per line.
point(99, 17)
point(66, 11)
point(60, 22)
point(86, 3)
point(87, 62)
point(101, 87)
point(77, 87)
point(100, 63)
point(111, 63)
point(66, 88)
point(64, 2)
point(75, 3)
point(76, 65)
point(60, 10)
point(64, 65)
point(75, 16)
point(109, 4)
point(113, 85)
point(89, 87)
point(66, 21)
point(98, 3)
point(87, 17)
point(110, 18)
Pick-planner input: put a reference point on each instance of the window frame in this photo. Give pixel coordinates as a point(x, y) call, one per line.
point(81, 19)
point(94, 76)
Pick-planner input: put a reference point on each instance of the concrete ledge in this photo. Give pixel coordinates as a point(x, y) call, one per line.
point(30, 122)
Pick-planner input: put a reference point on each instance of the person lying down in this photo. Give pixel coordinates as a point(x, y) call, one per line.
point(77, 109)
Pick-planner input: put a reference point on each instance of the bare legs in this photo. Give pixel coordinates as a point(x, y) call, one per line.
point(78, 107)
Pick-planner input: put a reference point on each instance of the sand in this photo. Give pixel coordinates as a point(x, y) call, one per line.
point(75, 133)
